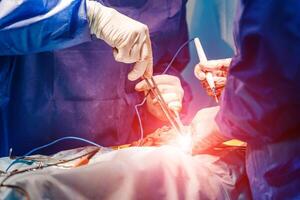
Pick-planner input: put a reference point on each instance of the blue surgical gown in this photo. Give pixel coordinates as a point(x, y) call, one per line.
point(46, 93)
point(261, 101)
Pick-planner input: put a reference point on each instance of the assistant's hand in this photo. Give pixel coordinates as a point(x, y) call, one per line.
point(171, 90)
point(218, 68)
point(205, 131)
point(129, 38)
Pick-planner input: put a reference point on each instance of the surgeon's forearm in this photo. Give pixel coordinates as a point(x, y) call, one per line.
point(40, 25)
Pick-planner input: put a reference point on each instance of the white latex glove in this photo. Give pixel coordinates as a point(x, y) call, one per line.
point(129, 38)
point(171, 91)
point(205, 131)
point(218, 68)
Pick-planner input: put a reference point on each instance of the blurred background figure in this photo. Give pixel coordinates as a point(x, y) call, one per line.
point(261, 100)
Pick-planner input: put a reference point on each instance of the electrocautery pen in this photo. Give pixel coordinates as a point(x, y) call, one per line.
point(208, 75)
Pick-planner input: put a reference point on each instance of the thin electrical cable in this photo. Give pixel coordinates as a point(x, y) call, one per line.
point(144, 100)
point(41, 167)
point(136, 107)
point(61, 139)
point(52, 143)
point(48, 165)
point(176, 54)
point(19, 189)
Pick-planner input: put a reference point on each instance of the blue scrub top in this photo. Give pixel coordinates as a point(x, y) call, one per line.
point(47, 93)
point(261, 101)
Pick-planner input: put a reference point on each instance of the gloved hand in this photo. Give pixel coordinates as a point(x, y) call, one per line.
point(219, 69)
point(171, 90)
point(129, 38)
point(205, 131)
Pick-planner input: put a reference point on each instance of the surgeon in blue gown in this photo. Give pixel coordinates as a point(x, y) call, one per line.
point(57, 81)
point(261, 100)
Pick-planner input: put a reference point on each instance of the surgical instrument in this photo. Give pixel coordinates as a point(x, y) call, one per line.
point(208, 75)
point(173, 117)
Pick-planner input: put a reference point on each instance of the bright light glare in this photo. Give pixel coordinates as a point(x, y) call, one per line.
point(184, 141)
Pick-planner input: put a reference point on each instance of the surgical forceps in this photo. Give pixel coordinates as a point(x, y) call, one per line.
point(173, 117)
